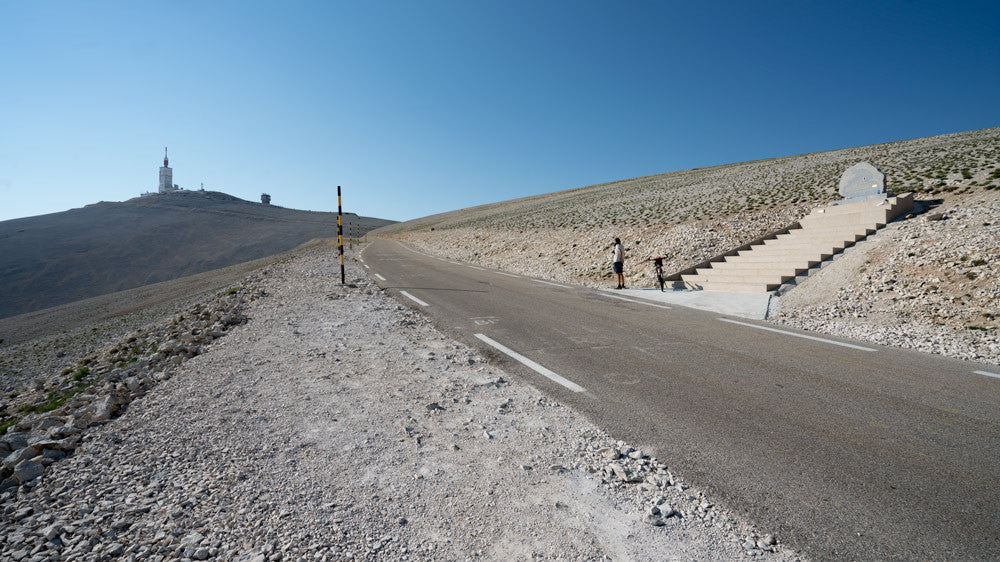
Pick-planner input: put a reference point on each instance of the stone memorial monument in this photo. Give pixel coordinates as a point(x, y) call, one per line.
point(862, 182)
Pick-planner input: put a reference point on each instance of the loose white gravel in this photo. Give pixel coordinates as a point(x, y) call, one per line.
point(338, 424)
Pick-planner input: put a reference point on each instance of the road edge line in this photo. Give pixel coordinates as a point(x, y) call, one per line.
point(531, 364)
point(413, 298)
point(551, 283)
point(787, 333)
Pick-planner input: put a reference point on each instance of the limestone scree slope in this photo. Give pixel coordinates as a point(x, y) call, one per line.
point(926, 284)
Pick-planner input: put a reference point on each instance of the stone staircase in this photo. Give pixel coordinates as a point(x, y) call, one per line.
point(822, 234)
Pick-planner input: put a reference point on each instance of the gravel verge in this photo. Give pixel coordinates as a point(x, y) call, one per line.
point(338, 424)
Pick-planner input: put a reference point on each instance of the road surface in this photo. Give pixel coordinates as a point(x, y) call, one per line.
point(842, 449)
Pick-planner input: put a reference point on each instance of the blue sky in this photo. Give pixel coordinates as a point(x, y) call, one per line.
point(422, 107)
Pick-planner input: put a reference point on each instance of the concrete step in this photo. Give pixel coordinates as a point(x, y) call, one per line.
point(808, 241)
point(738, 287)
point(794, 251)
point(756, 268)
point(854, 229)
point(850, 219)
point(777, 260)
point(789, 243)
point(767, 278)
point(879, 213)
point(842, 240)
point(810, 253)
point(890, 203)
point(863, 207)
point(820, 233)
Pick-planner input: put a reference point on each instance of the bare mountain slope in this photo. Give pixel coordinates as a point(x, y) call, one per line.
point(58, 258)
point(938, 279)
point(691, 215)
point(931, 165)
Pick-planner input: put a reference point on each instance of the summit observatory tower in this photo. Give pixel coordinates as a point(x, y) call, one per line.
point(166, 175)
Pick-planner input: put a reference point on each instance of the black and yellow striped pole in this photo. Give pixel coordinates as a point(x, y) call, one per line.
point(340, 236)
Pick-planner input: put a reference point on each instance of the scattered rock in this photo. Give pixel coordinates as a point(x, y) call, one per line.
point(654, 520)
point(27, 471)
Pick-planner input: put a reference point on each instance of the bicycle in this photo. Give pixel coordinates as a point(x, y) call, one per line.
point(658, 264)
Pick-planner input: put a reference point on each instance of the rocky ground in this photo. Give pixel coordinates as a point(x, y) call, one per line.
point(37, 344)
point(294, 418)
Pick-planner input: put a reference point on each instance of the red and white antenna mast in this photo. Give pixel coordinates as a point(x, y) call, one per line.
point(165, 161)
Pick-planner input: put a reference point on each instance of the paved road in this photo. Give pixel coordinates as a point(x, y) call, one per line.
point(843, 449)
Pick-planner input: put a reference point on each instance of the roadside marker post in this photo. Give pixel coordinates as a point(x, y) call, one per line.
point(340, 236)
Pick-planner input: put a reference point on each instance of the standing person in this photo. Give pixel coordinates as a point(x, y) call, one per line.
point(618, 263)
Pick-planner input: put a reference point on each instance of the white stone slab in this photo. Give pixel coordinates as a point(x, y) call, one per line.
point(862, 181)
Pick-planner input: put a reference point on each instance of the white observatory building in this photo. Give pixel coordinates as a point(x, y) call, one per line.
point(166, 175)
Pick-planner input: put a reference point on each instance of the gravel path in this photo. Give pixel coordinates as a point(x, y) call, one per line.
point(337, 424)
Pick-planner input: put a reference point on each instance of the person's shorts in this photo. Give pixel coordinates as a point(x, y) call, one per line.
point(617, 266)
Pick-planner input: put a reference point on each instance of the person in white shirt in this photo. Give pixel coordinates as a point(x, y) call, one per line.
point(618, 263)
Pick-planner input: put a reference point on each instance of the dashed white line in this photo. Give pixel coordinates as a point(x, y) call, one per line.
point(366, 266)
point(380, 277)
point(476, 267)
point(551, 283)
point(413, 298)
point(635, 301)
point(850, 345)
point(508, 274)
point(987, 374)
point(532, 365)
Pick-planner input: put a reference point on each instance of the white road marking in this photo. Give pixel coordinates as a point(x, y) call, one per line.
point(551, 283)
point(635, 301)
point(361, 258)
point(532, 365)
point(380, 277)
point(366, 266)
point(413, 298)
point(479, 268)
point(508, 274)
point(984, 373)
point(852, 346)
